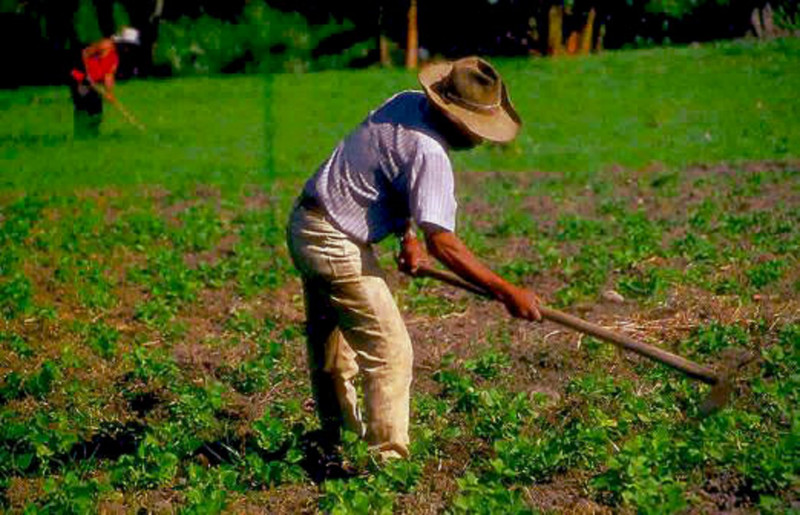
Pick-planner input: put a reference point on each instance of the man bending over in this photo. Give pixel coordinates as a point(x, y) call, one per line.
point(388, 176)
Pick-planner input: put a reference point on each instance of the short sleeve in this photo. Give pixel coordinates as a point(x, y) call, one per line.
point(432, 187)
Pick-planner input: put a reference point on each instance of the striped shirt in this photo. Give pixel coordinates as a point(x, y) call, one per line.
point(392, 167)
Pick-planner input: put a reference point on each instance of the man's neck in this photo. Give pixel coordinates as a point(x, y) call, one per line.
point(451, 134)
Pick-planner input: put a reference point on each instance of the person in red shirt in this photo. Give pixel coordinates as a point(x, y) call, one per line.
point(93, 78)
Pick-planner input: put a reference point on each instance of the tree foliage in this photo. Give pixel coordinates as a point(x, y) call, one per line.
point(217, 35)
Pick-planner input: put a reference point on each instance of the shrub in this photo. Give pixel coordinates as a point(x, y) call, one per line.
point(262, 40)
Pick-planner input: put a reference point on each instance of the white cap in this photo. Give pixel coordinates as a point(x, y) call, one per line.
point(127, 35)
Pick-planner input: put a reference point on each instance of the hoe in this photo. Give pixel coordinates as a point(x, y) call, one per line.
point(121, 108)
point(720, 382)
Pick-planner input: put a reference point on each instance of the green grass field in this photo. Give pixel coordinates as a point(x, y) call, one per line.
point(151, 325)
point(678, 106)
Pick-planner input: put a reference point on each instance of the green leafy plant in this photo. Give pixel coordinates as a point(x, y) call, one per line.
point(102, 338)
point(200, 229)
point(476, 497)
point(644, 283)
point(208, 489)
point(16, 344)
point(714, 337)
point(489, 364)
point(18, 218)
point(766, 273)
point(37, 384)
point(69, 494)
point(15, 295)
point(357, 496)
point(152, 466)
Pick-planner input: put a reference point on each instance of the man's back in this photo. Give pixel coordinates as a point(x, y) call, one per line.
point(392, 167)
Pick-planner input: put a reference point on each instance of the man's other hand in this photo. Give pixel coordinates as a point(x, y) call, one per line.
point(412, 255)
point(522, 303)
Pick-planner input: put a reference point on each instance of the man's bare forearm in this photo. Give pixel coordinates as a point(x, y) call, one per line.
point(451, 251)
point(455, 255)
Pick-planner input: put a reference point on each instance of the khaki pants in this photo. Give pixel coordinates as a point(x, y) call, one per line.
point(352, 324)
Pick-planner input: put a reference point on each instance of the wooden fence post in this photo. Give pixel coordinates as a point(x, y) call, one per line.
point(555, 36)
point(412, 43)
point(587, 33)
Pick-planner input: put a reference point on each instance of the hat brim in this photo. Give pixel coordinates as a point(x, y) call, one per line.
point(500, 124)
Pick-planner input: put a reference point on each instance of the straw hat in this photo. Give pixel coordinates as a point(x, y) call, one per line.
point(472, 94)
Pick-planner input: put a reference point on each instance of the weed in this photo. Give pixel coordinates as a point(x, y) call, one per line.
point(10, 257)
point(101, 338)
point(37, 384)
point(243, 322)
point(479, 498)
point(88, 277)
point(254, 375)
point(434, 428)
point(420, 300)
point(518, 270)
point(777, 390)
point(702, 216)
point(138, 230)
point(151, 365)
point(514, 222)
point(200, 230)
point(208, 489)
point(372, 493)
point(646, 283)
point(574, 228)
point(357, 496)
point(500, 414)
point(697, 248)
point(272, 433)
point(766, 273)
point(154, 312)
point(640, 239)
point(489, 364)
point(734, 224)
point(774, 468)
point(69, 494)
point(152, 466)
point(527, 460)
point(637, 477)
point(16, 295)
point(256, 269)
point(34, 442)
point(16, 344)
point(18, 219)
point(712, 338)
point(194, 415)
point(494, 413)
point(585, 272)
point(270, 473)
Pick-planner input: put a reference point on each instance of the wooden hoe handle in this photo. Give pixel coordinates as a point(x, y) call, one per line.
point(121, 108)
point(690, 368)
